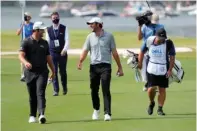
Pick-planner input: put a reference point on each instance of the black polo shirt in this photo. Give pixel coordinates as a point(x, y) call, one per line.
point(36, 53)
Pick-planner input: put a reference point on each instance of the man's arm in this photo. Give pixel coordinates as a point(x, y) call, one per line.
point(22, 54)
point(24, 61)
point(83, 56)
point(86, 49)
point(50, 63)
point(18, 32)
point(114, 52)
point(47, 38)
point(172, 53)
point(141, 54)
point(169, 72)
point(117, 58)
point(140, 34)
point(67, 41)
point(21, 57)
point(22, 50)
point(172, 59)
point(140, 59)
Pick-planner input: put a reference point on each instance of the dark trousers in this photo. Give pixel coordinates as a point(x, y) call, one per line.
point(61, 62)
point(36, 89)
point(101, 72)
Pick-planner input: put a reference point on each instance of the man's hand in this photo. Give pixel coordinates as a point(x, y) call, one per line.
point(169, 73)
point(63, 53)
point(120, 72)
point(52, 76)
point(139, 66)
point(82, 58)
point(140, 23)
point(117, 59)
point(28, 65)
point(79, 66)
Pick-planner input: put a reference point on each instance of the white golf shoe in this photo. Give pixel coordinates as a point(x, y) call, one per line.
point(107, 117)
point(32, 119)
point(42, 119)
point(95, 115)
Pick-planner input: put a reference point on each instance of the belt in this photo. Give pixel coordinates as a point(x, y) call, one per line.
point(158, 63)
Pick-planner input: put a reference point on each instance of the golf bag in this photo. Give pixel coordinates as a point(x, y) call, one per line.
point(140, 75)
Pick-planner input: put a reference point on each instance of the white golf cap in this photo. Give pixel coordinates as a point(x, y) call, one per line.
point(95, 20)
point(39, 25)
point(27, 14)
point(155, 19)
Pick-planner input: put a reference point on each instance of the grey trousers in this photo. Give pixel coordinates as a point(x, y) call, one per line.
point(36, 89)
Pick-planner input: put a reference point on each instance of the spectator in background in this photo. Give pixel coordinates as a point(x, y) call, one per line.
point(26, 28)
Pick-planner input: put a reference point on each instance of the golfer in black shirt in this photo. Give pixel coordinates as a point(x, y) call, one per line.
point(34, 54)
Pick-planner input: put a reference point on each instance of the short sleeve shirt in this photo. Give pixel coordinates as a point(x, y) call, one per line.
point(100, 47)
point(36, 53)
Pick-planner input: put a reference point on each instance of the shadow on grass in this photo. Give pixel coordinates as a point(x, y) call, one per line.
point(76, 80)
point(76, 94)
point(184, 114)
point(182, 91)
point(129, 118)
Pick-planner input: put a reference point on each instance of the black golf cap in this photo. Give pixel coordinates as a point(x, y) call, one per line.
point(161, 33)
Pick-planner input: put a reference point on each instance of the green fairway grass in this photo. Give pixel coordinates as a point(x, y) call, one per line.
point(10, 41)
point(73, 112)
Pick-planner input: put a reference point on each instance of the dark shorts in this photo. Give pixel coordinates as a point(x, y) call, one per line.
point(154, 80)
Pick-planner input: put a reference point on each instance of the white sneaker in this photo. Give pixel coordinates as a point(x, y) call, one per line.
point(95, 115)
point(145, 89)
point(42, 119)
point(32, 119)
point(107, 117)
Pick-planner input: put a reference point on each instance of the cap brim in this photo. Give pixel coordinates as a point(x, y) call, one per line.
point(40, 28)
point(161, 38)
point(43, 28)
point(88, 23)
point(91, 22)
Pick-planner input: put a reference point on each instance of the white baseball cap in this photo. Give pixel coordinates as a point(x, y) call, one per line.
point(95, 20)
point(39, 25)
point(27, 14)
point(155, 19)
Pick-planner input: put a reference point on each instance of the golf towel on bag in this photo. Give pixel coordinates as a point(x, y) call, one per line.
point(140, 75)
